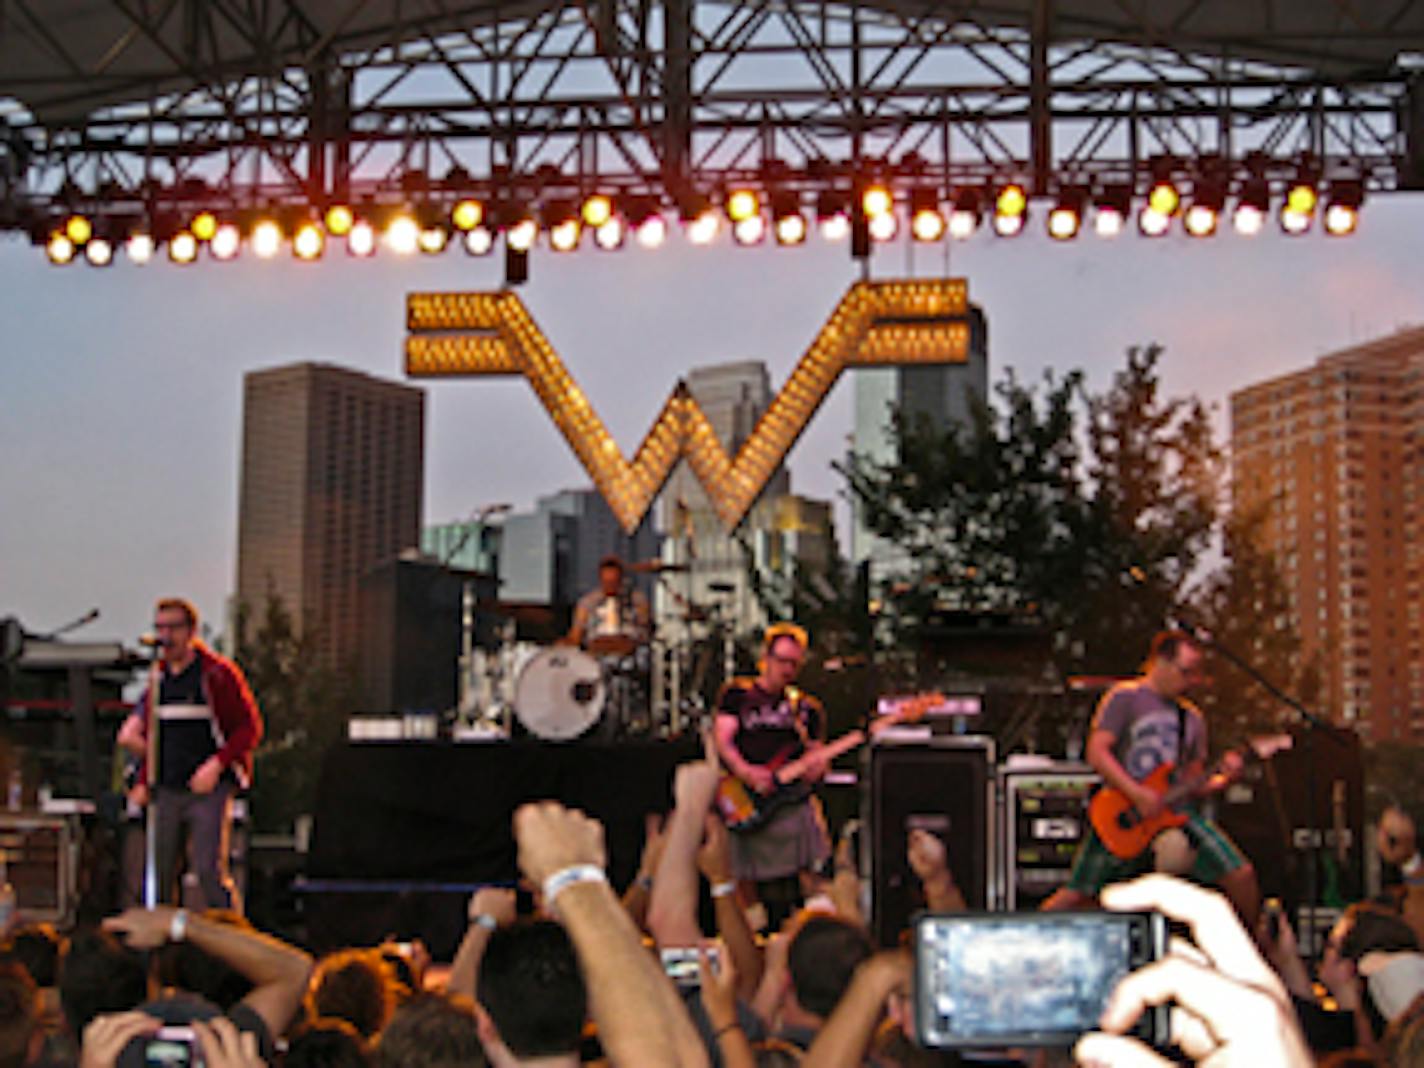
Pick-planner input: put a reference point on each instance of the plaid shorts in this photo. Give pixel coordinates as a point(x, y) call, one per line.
point(1095, 866)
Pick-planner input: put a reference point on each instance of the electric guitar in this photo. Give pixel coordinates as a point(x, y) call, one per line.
point(1122, 828)
point(745, 810)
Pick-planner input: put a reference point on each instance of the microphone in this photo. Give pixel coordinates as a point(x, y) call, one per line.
point(152, 641)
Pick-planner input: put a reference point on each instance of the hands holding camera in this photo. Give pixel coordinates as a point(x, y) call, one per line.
point(223, 1045)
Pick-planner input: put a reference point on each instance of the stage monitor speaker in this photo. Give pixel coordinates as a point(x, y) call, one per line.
point(1044, 821)
point(944, 785)
point(41, 855)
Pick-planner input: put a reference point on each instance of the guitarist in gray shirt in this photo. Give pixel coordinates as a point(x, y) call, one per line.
point(762, 724)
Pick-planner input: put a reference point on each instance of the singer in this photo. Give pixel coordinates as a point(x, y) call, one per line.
point(208, 726)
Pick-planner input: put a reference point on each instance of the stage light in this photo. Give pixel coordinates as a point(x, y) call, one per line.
point(1163, 196)
point(521, 235)
point(59, 248)
point(78, 229)
point(1301, 197)
point(1153, 223)
point(204, 225)
point(266, 239)
point(1110, 210)
point(308, 240)
point(564, 235)
point(883, 227)
point(402, 234)
point(788, 224)
point(833, 216)
point(1342, 209)
point(1012, 200)
point(877, 201)
point(652, 231)
point(609, 234)
point(596, 210)
point(467, 214)
point(339, 220)
point(702, 229)
point(183, 247)
point(432, 239)
point(1204, 212)
point(479, 241)
point(964, 212)
point(99, 251)
point(1295, 223)
point(926, 220)
point(742, 204)
point(1066, 217)
point(139, 248)
point(1249, 218)
point(361, 239)
point(835, 227)
point(226, 241)
point(749, 231)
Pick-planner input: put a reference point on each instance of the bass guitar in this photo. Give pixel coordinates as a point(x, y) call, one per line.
point(743, 809)
point(1122, 828)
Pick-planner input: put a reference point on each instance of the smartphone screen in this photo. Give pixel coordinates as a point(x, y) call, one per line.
point(682, 968)
point(1011, 979)
point(172, 1047)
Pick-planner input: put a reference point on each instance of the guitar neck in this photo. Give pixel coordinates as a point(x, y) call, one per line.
point(844, 744)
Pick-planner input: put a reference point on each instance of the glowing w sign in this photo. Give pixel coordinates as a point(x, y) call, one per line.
point(876, 324)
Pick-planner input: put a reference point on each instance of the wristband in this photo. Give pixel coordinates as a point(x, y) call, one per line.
point(564, 878)
point(485, 920)
point(178, 925)
point(723, 889)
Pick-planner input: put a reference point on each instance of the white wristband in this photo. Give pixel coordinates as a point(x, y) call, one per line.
point(485, 920)
point(561, 880)
point(1413, 866)
point(178, 926)
point(723, 889)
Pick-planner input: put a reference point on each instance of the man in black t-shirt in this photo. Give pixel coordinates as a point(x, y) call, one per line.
point(764, 723)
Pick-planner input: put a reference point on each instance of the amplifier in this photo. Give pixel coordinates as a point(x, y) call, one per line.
point(1045, 818)
point(41, 861)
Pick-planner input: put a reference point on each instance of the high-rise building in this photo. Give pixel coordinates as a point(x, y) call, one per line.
point(332, 476)
point(1331, 455)
point(939, 393)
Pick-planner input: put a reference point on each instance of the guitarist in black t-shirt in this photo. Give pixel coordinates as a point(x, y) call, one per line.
point(762, 724)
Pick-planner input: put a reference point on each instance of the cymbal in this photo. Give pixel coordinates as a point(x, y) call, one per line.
point(655, 567)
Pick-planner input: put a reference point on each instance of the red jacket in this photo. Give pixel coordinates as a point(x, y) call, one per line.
point(235, 714)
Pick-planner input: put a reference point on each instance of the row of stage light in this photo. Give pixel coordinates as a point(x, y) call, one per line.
point(477, 226)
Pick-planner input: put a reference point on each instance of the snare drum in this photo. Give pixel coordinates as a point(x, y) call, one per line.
point(560, 693)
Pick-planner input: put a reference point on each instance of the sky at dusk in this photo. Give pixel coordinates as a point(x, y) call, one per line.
point(120, 403)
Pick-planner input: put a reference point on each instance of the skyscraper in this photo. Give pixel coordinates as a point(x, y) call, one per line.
point(332, 476)
point(1331, 456)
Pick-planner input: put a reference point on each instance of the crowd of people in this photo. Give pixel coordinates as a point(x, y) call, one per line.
point(584, 978)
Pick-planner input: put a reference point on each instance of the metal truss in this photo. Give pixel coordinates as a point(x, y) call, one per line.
point(681, 95)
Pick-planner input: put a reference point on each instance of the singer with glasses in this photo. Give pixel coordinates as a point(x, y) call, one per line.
point(207, 728)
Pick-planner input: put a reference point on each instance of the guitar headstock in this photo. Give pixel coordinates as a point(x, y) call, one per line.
point(908, 710)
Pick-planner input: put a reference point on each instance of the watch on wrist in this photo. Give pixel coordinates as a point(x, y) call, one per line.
point(485, 920)
point(178, 926)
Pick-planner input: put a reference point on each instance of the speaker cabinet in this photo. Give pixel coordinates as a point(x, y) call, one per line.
point(41, 860)
point(944, 785)
point(1045, 820)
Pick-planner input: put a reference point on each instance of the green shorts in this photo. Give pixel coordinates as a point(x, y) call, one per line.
point(1095, 866)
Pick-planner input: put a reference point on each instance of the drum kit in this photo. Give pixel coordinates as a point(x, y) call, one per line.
point(615, 687)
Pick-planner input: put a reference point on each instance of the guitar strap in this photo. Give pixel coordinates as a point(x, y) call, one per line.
point(1181, 737)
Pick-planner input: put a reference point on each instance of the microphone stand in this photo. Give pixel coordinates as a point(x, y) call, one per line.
point(150, 774)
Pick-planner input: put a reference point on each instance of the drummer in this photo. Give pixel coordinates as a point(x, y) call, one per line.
point(614, 619)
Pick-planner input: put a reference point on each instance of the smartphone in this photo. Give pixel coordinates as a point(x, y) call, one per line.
point(682, 968)
point(1028, 979)
point(1275, 916)
point(172, 1047)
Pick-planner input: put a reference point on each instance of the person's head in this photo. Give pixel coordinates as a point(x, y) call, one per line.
point(327, 1044)
point(184, 966)
point(1366, 927)
point(1174, 663)
point(823, 956)
point(175, 623)
point(531, 991)
point(432, 1031)
point(37, 946)
point(610, 575)
point(355, 985)
point(99, 974)
point(19, 1015)
point(783, 652)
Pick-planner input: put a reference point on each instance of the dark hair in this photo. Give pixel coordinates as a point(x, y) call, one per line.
point(1374, 928)
point(186, 967)
point(37, 947)
point(1166, 644)
point(823, 956)
point(179, 604)
point(327, 1044)
point(612, 560)
point(532, 988)
point(355, 985)
point(19, 1014)
point(432, 1031)
point(99, 974)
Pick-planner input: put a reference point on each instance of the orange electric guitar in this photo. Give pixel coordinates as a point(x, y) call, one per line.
point(1122, 828)
point(743, 809)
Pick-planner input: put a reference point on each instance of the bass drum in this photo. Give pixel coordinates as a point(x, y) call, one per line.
point(560, 693)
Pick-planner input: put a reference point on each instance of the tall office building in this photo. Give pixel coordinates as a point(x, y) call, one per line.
point(332, 475)
point(1332, 455)
point(937, 392)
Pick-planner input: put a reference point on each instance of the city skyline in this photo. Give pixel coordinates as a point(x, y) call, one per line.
point(124, 384)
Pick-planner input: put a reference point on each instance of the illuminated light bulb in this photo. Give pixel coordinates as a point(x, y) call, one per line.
point(652, 231)
point(59, 248)
point(1249, 219)
point(226, 241)
point(927, 224)
point(1302, 199)
point(479, 241)
point(877, 201)
point(790, 229)
point(1153, 223)
point(140, 248)
point(962, 224)
point(610, 233)
point(1295, 223)
point(883, 227)
point(1164, 199)
point(467, 214)
point(99, 251)
point(1108, 221)
point(1063, 223)
point(564, 236)
point(182, 247)
point(521, 235)
point(1341, 219)
point(361, 239)
point(1008, 225)
point(597, 210)
point(78, 229)
point(703, 229)
point(1200, 220)
point(266, 239)
point(433, 239)
point(750, 230)
point(403, 235)
point(742, 204)
point(1012, 200)
point(308, 241)
point(339, 220)
point(205, 225)
point(835, 227)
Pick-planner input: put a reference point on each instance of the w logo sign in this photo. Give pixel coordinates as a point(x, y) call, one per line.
point(876, 324)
